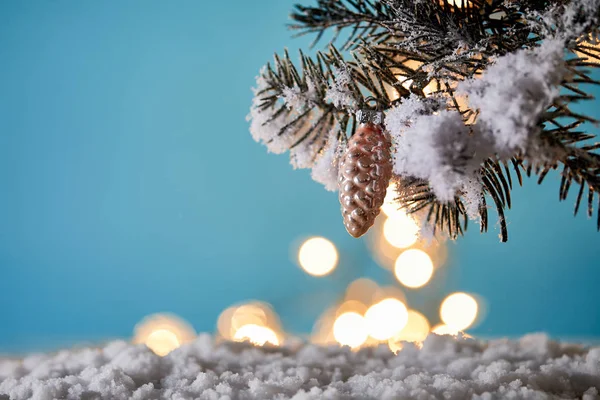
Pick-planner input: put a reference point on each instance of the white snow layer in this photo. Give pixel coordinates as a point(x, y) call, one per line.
point(513, 93)
point(532, 367)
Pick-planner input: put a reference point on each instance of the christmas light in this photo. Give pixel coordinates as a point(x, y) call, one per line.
point(459, 311)
point(349, 329)
point(163, 333)
point(318, 256)
point(386, 318)
point(413, 268)
point(401, 231)
point(442, 329)
point(415, 330)
point(256, 334)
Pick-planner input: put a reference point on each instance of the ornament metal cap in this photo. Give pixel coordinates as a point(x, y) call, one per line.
point(366, 116)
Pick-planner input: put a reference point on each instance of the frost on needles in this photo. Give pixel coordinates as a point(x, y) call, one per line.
point(475, 96)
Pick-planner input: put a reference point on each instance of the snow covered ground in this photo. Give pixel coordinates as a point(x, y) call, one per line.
point(532, 367)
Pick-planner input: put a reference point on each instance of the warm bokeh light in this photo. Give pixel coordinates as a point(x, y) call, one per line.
point(239, 323)
point(349, 329)
point(415, 331)
point(351, 306)
point(256, 334)
point(248, 314)
point(362, 289)
point(163, 333)
point(413, 268)
point(162, 342)
point(416, 328)
point(459, 311)
point(401, 231)
point(386, 318)
point(442, 329)
point(318, 256)
point(389, 206)
point(593, 44)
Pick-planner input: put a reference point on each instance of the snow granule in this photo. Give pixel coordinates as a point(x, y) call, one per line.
point(533, 367)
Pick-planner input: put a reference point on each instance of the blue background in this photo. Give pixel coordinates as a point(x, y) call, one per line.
point(129, 185)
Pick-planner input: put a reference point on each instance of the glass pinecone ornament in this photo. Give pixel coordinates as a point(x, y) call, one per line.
point(365, 171)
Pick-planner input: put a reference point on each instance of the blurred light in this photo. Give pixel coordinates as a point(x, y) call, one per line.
point(416, 328)
point(459, 311)
point(395, 345)
point(362, 289)
point(322, 332)
point(349, 329)
point(593, 44)
point(163, 333)
point(442, 329)
point(256, 334)
point(162, 342)
point(401, 231)
point(256, 313)
point(351, 306)
point(389, 292)
point(413, 268)
point(224, 323)
point(390, 207)
point(386, 318)
point(248, 314)
point(318, 256)
point(431, 87)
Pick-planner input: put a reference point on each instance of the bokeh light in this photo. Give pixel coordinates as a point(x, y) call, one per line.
point(349, 329)
point(413, 268)
point(442, 329)
point(389, 206)
point(163, 333)
point(401, 230)
point(318, 256)
point(162, 341)
point(256, 334)
point(459, 311)
point(254, 321)
point(386, 318)
point(362, 289)
point(416, 328)
point(593, 46)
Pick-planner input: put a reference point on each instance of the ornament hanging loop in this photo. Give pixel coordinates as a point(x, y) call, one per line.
point(365, 116)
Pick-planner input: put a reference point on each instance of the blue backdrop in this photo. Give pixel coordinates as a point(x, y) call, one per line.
point(129, 184)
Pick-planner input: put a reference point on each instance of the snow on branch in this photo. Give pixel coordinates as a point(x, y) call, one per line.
point(440, 149)
point(512, 95)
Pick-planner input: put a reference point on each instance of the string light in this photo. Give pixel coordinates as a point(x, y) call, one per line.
point(163, 333)
point(318, 256)
point(401, 231)
point(459, 311)
point(443, 329)
point(256, 334)
point(413, 268)
point(416, 328)
point(386, 318)
point(349, 329)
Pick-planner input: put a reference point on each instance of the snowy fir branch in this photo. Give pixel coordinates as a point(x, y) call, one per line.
point(476, 94)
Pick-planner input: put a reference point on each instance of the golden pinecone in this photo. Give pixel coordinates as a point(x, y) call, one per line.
point(364, 174)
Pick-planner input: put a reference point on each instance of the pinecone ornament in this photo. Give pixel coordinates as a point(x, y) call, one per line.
point(365, 171)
